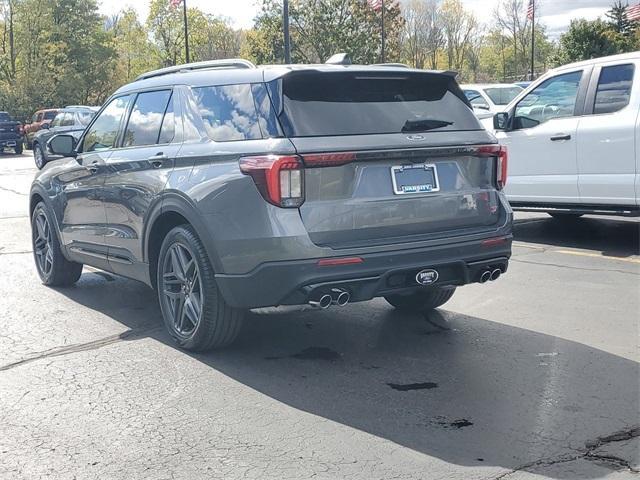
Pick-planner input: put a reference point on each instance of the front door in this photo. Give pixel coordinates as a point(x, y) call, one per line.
point(542, 143)
point(83, 218)
point(137, 173)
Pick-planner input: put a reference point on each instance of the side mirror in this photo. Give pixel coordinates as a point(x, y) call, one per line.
point(500, 121)
point(63, 145)
point(45, 126)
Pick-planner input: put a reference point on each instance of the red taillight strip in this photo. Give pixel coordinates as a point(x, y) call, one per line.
point(500, 152)
point(492, 242)
point(331, 262)
point(265, 171)
point(328, 159)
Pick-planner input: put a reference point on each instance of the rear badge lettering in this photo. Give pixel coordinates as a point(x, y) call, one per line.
point(427, 277)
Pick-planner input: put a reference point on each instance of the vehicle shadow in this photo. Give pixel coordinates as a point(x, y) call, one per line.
point(463, 389)
point(613, 237)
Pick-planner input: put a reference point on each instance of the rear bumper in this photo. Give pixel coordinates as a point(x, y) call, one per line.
point(10, 142)
point(297, 282)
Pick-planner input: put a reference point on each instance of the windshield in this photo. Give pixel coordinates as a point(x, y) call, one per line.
point(312, 103)
point(503, 95)
point(85, 117)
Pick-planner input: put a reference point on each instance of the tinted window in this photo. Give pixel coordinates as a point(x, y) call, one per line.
point(168, 130)
point(146, 118)
point(553, 98)
point(614, 88)
point(49, 115)
point(476, 99)
point(228, 112)
point(102, 134)
point(353, 103)
point(502, 95)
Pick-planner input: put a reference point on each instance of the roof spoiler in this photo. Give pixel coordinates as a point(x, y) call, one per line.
point(208, 64)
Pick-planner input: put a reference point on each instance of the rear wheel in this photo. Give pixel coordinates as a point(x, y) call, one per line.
point(38, 156)
point(53, 268)
point(194, 312)
point(422, 300)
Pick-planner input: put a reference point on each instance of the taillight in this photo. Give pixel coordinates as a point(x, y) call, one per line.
point(502, 160)
point(328, 159)
point(279, 178)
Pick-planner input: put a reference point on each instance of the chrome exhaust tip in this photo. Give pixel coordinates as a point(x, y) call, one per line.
point(340, 297)
point(323, 302)
point(495, 274)
point(485, 277)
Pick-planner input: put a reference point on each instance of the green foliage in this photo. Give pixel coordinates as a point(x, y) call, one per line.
point(586, 39)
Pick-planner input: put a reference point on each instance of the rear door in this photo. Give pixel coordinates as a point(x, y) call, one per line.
point(606, 137)
point(386, 157)
point(136, 173)
point(543, 166)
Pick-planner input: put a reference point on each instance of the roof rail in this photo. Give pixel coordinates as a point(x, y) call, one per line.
point(207, 64)
point(397, 65)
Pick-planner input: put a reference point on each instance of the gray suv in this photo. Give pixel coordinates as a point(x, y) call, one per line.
point(228, 187)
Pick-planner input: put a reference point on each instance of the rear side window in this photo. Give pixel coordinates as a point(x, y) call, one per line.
point(67, 120)
point(361, 103)
point(228, 112)
point(502, 95)
point(49, 115)
point(614, 88)
point(146, 117)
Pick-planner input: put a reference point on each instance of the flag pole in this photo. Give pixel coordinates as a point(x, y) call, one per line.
point(287, 38)
point(186, 30)
point(382, 21)
point(533, 38)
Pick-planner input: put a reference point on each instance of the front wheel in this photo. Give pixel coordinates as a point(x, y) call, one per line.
point(422, 300)
point(38, 156)
point(193, 309)
point(53, 268)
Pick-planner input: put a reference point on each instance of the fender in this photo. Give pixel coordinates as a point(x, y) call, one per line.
point(174, 201)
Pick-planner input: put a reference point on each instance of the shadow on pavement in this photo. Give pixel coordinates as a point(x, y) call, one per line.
point(466, 390)
point(614, 237)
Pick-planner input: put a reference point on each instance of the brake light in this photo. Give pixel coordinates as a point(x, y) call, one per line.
point(502, 161)
point(332, 262)
point(279, 178)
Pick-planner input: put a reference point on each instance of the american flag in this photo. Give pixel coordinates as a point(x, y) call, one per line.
point(375, 4)
point(633, 13)
point(531, 9)
point(175, 3)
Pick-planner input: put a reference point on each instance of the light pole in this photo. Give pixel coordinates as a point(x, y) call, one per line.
point(287, 39)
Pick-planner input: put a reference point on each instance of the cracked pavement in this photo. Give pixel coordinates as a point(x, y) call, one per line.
point(534, 376)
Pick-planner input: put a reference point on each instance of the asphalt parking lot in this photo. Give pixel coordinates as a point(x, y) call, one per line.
point(533, 376)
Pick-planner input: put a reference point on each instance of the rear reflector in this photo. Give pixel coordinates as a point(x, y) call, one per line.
point(330, 262)
point(279, 178)
point(492, 242)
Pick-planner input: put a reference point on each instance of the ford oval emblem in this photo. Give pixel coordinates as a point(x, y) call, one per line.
point(415, 137)
point(427, 277)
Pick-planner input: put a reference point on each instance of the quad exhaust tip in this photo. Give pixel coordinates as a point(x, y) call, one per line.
point(323, 302)
point(340, 297)
point(492, 275)
point(485, 277)
point(495, 274)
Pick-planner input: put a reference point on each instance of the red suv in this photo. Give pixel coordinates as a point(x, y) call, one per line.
point(40, 118)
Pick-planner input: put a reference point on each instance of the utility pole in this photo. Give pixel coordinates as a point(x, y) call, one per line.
point(383, 42)
point(287, 39)
point(533, 39)
point(186, 30)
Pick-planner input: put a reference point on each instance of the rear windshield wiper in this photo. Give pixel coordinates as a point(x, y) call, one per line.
point(424, 125)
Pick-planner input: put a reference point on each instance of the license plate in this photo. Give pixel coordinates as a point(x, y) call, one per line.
point(11, 144)
point(408, 179)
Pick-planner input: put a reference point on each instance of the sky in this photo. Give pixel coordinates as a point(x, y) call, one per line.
point(555, 14)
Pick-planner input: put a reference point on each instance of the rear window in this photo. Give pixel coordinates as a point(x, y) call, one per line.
point(502, 95)
point(315, 103)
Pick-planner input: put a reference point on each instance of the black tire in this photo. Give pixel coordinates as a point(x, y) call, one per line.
point(565, 215)
point(422, 300)
point(38, 156)
point(19, 148)
point(216, 324)
point(57, 271)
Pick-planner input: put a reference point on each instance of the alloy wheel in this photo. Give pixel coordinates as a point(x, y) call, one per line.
point(182, 289)
point(42, 244)
point(39, 157)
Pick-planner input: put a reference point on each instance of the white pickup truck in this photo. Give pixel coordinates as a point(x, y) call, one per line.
point(573, 138)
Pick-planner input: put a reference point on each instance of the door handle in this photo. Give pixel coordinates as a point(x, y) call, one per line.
point(158, 160)
point(560, 137)
point(93, 167)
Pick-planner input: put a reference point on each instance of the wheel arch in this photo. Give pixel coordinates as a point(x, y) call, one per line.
point(172, 211)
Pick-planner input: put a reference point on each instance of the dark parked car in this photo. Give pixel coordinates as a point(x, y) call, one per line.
point(72, 120)
point(10, 133)
point(228, 187)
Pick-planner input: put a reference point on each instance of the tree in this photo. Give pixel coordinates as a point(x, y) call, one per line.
point(422, 35)
point(136, 54)
point(584, 40)
point(458, 26)
point(618, 20)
